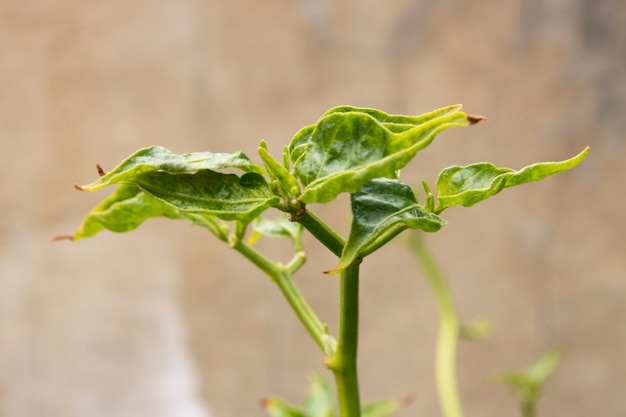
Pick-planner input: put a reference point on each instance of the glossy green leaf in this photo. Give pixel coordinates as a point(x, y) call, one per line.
point(382, 408)
point(189, 182)
point(158, 159)
point(128, 207)
point(471, 184)
point(350, 146)
point(382, 209)
point(226, 196)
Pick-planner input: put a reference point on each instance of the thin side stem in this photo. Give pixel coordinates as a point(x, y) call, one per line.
point(322, 232)
point(449, 332)
point(294, 297)
point(344, 361)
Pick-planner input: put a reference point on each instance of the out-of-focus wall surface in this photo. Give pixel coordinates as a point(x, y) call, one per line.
point(166, 321)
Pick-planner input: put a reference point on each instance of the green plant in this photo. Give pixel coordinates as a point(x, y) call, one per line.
point(355, 150)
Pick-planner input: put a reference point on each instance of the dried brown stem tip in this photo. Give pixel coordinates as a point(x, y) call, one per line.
point(78, 187)
point(63, 237)
point(100, 170)
point(475, 119)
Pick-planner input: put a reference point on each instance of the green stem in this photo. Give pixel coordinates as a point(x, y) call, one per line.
point(528, 410)
point(322, 232)
point(344, 362)
point(449, 333)
point(282, 277)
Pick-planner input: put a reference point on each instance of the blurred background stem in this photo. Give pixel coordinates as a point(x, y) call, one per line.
point(449, 330)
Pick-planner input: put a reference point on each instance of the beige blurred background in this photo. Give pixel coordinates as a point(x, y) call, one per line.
point(166, 321)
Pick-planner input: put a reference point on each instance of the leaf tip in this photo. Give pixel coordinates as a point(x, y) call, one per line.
point(474, 119)
point(79, 187)
point(71, 238)
point(408, 400)
point(265, 402)
point(101, 171)
point(585, 152)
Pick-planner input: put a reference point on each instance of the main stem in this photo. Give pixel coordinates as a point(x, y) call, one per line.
point(344, 361)
point(449, 331)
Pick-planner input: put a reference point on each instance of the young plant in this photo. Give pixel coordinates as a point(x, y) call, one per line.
point(348, 150)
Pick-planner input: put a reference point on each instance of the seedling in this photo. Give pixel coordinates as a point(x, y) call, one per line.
point(352, 150)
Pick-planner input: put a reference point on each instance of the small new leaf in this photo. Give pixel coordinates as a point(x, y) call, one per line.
point(282, 182)
point(320, 399)
point(381, 408)
point(277, 407)
point(382, 209)
point(528, 383)
point(471, 184)
point(350, 146)
point(277, 228)
point(319, 402)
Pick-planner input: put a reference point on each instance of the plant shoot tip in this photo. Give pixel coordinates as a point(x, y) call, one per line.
point(475, 119)
point(63, 237)
point(100, 170)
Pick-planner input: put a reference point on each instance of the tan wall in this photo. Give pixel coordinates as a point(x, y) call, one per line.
point(168, 322)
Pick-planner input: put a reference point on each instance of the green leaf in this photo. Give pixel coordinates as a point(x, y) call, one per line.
point(226, 196)
point(528, 383)
point(277, 407)
point(189, 183)
point(476, 329)
point(350, 146)
point(382, 209)
point(283, 183)
point(128, 207)
point(280, 227)
point(158, 159)
point(382, 408)
point(320, 400)
point(471, 184)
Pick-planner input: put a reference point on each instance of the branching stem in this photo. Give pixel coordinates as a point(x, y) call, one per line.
point(282, 277)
